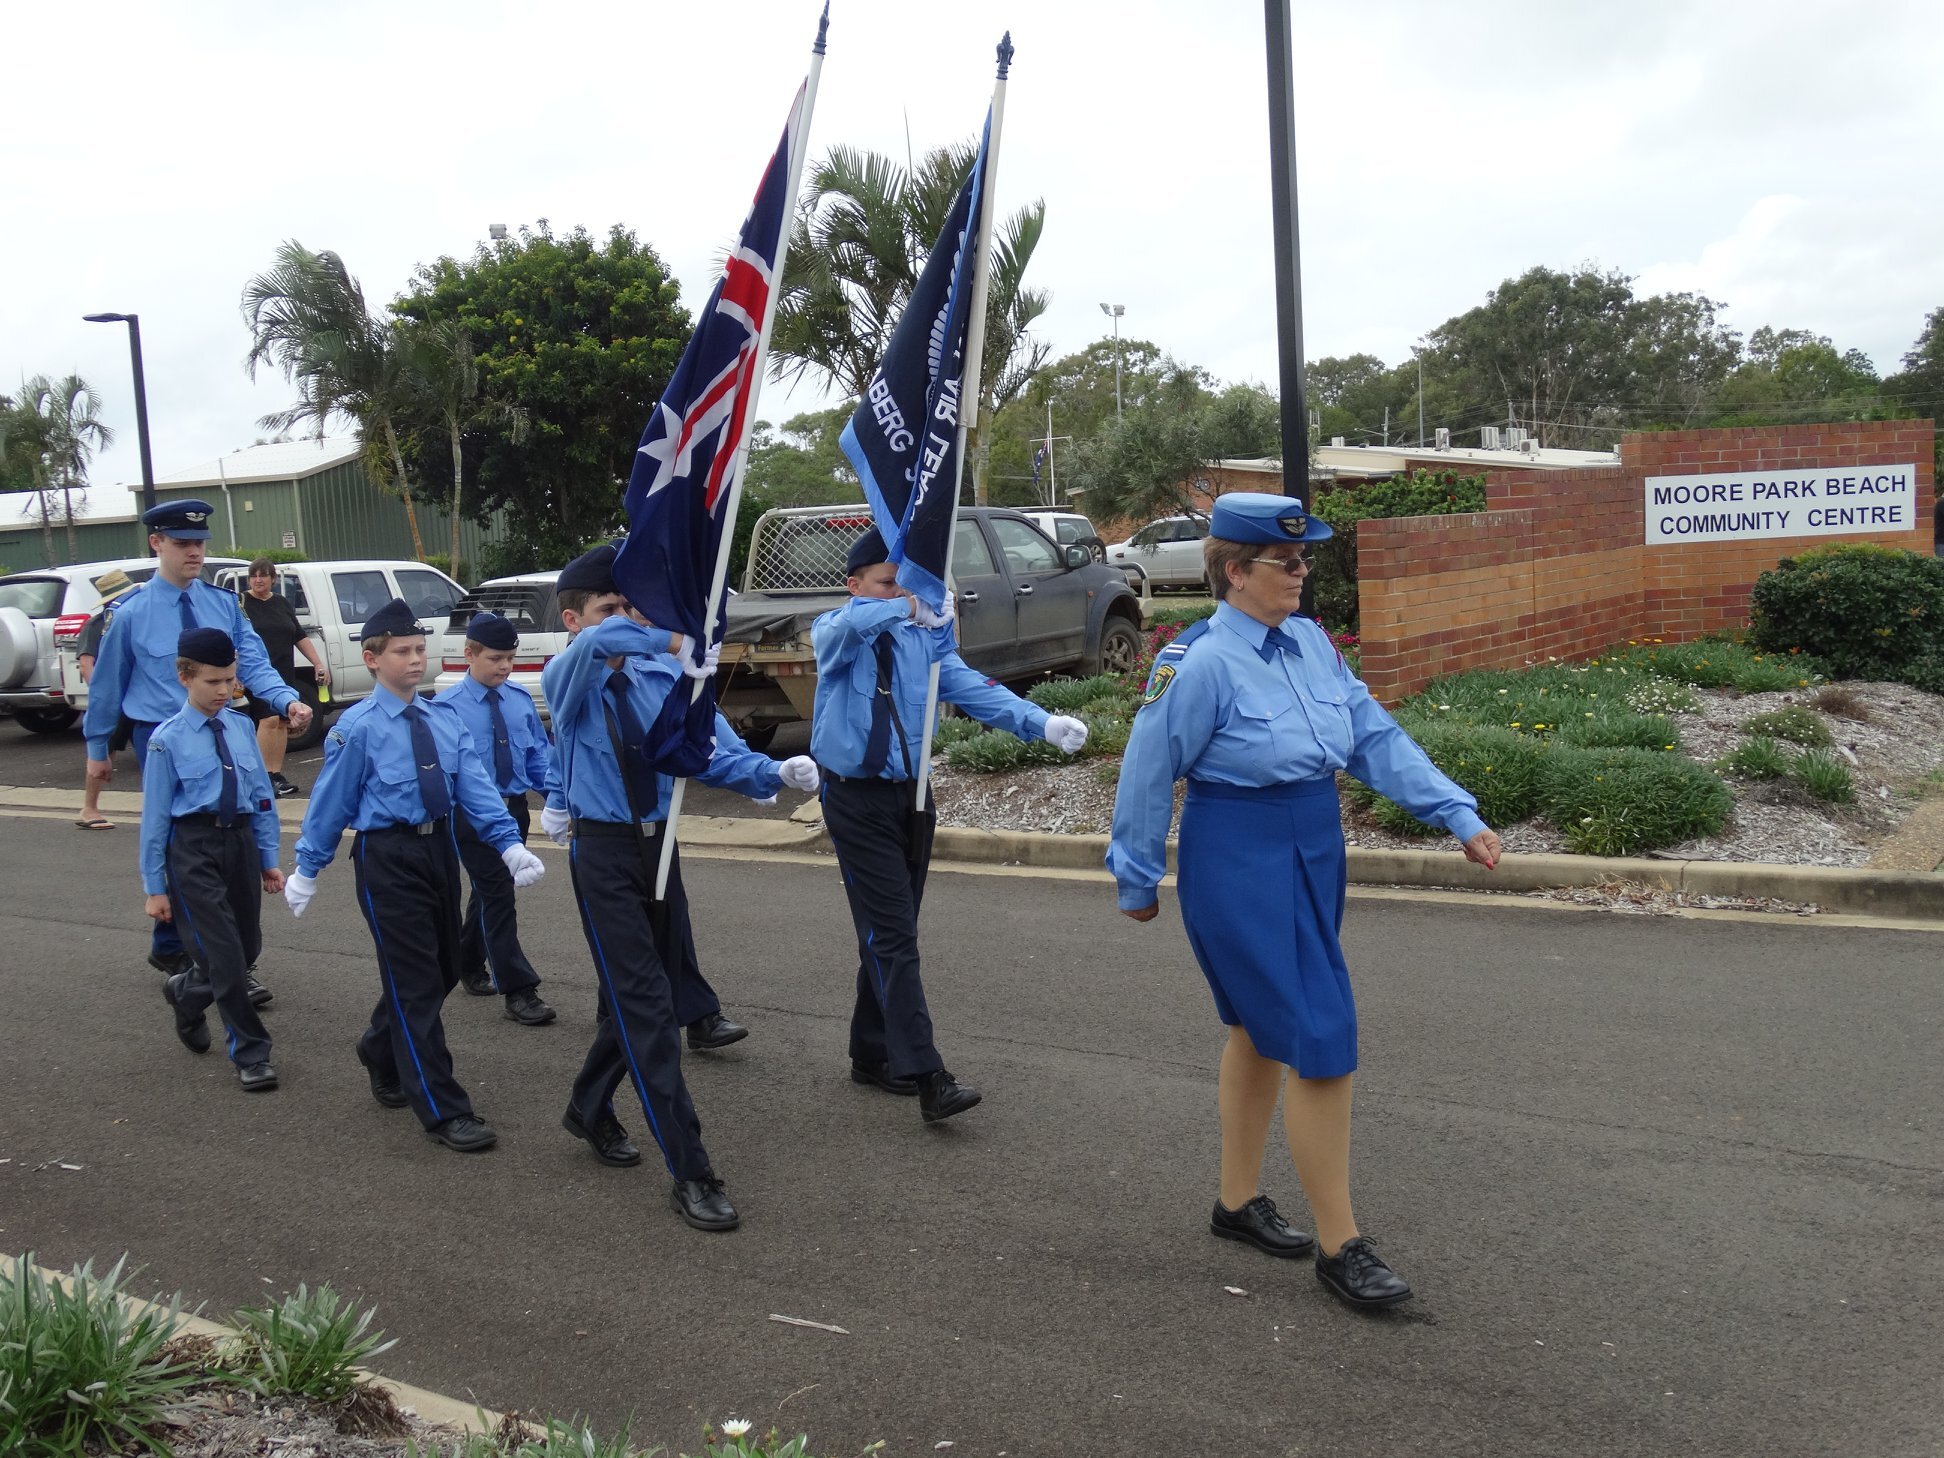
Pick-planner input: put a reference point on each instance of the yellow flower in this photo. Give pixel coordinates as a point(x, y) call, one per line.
point(1667, 746)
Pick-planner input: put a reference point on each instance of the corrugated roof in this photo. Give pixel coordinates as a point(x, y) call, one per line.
point(285, 460)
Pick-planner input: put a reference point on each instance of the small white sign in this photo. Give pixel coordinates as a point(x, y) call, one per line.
point(1788, 501)
point(290, 541)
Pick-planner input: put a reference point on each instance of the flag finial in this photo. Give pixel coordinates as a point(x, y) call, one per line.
point(1005, 54)
point(823, 28)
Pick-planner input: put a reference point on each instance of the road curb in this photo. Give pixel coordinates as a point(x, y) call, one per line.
point(433, 1408)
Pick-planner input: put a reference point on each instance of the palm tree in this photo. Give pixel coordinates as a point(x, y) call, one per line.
point(307, 315)
point(441, 376)
point(52, 431)
point(861, 238)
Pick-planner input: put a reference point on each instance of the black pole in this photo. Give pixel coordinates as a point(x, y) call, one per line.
point(141, 411)
point(1289, 263)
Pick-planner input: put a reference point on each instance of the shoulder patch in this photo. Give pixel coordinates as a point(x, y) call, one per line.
point(336, 736)
point(1158, 685)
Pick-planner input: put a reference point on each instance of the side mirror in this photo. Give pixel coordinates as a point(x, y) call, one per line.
point(1077, 555)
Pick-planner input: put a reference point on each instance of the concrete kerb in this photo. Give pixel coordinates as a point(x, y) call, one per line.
point(432, 1408)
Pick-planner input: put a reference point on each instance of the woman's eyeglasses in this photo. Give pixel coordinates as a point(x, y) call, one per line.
point(1291, 565)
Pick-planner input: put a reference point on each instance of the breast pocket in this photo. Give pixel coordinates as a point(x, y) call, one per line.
point(1271, 723)
point(1328, 706)
point(202, 783)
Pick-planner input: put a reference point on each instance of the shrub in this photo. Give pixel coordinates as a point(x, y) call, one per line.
point(1867, 611)
point(1656, 695)
point(1106, 733)
point(993, 751)
point(1720, 663)
point(1180, 617)
point(1618, 729)
point(1760, 758)
point(954, 730)
point(1621, 801)
point(1795, 724)
point(1841, 703)
point(79, 1371)
point(309, 1345)
point(1073, 695)
point(1825, 776)
point(1333, 578)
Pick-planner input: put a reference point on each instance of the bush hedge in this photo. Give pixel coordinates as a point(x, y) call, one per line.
point(1869, 612)
point(1617, 802)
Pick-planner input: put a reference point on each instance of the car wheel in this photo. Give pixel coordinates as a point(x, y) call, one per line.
point(758, 737)
point(47, 721)
point(1120, 648)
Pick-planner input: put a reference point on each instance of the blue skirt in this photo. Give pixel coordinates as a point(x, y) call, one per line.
point(1261, 881)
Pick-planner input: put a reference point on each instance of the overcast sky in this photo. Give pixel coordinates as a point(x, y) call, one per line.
point(1780, 156)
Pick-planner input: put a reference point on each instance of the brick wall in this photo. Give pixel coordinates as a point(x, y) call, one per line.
point(1557, 566)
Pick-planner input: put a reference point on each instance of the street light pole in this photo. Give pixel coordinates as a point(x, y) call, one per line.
point(134, 323)
point(1114, 312)
point(1289, 269)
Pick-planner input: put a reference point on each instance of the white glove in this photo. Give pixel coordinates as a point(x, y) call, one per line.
point(1065, 734)
point(523, 863)
point(298, 890)
point(709, 661)
point(557, 824)
point(924, 617)
point(799, 772)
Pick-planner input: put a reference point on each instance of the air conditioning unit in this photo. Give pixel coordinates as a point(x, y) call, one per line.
point(1529, 446)
point(1441, 439)
point(1336, 440)
point(1488, 437)
point(1515, 437)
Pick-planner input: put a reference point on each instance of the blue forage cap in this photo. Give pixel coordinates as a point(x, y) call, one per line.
point(1257, 516)
point(393, 620)
point(186, 521)
point(490, 630)
point(592, 571)
point(867, 551)
point(207, 645)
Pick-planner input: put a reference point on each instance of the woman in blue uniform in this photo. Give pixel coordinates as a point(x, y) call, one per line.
point(1257, 711)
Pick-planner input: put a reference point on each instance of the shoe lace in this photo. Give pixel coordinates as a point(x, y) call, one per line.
point(1359, 1260)
point(1265, 1208)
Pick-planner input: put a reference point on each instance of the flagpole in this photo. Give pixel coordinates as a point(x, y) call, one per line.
point(974, 360)
point(799, 151)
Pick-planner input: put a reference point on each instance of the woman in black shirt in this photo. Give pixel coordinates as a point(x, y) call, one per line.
point(275, 621)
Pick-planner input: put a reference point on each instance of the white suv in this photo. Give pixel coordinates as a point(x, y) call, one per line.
point(42, 614)
point(1168, 552)
point(528, 603)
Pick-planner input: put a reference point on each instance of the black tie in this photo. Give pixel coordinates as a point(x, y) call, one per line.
point(425, 754)
point(634, 760)
point(226, 808)
point(188, 616)
point(502, 748)
point(877, 748)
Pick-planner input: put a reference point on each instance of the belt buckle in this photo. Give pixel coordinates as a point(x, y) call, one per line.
point(426, 828)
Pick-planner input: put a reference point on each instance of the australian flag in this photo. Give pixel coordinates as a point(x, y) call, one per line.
point(678, 491)
point(903, 439)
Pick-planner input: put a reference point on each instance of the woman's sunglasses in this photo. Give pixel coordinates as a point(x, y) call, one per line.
point(1291, 565)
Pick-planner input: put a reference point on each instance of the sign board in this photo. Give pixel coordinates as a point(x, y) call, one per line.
point(1787, 501)
point(290, 541)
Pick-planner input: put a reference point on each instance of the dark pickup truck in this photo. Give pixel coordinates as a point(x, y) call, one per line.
point(1026, 608)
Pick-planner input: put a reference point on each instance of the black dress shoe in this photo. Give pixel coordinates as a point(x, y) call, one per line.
point(940, 1096)
point(702, 1203)
point(191, 1028)
point(1258, 1224)
point(526, 1007)
point(259, 994)
point(284, 789)
point(465, 1133)
point(384, 1083)
point(257, 1077)
point(169, 966)
point(714, 1031)
point(879, 1075)
point(1358, 1275)
point(608, 1140)
point(478, 981)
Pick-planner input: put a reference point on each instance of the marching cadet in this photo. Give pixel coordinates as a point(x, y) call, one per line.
point(395, 767)
point(209, 851)
point(133, 676)
point(604, 690)
point(518, 756)
point(874, 659)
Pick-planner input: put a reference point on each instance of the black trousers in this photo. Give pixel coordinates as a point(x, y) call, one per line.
point(639, 1038)
point(216, 898)
point(490, 934)
point(884, 850)
point(408, 889)
point(164, 942)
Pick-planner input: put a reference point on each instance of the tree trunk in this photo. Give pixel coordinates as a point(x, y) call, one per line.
point(458, 485)
point(67, 510)
point(47, 520)
point(404, 489)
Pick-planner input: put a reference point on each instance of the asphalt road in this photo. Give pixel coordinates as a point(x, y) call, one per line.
point(1664, 1186)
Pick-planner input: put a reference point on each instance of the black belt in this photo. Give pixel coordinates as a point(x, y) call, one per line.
point(215, 822)
point(861, 779)
point(619, 829)
point(430, 827)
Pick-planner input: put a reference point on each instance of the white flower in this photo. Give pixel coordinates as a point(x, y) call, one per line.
point(735, 1427)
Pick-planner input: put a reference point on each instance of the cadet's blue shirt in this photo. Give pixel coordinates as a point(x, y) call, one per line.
point(134, 674)
point(183, 776)
point(370, 778)
point(840, 726)
point(1216, 711)
point(588, 776)
point(531, 750)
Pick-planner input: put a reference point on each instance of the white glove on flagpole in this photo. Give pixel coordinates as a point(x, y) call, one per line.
point(924, 617)
point(1065, 734)
point(298, 890)
point(556, 824)
point(523, 863)
point(709, 661)
point(799, 773)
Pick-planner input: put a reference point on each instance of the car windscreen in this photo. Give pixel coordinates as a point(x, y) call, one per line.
point(38, 597)
point(526, 605)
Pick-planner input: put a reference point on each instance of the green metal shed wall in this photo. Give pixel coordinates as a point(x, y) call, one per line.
point(95, 541)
